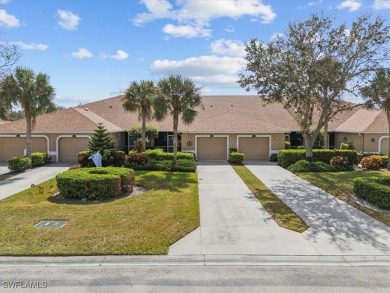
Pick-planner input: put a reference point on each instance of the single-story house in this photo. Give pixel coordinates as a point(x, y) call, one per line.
point(223, 123)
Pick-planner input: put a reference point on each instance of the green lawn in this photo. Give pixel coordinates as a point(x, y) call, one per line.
point(340, 184)
point(144, 224)
point(280, 212)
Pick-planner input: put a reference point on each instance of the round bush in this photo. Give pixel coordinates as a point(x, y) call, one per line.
point(19, 164)
point(95, 183)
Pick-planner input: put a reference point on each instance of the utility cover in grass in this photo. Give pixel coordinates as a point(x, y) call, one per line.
point(51, 224)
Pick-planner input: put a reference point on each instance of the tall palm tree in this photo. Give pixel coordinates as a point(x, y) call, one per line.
point(139, 98)
point(32, 93)
point(178, 96)
point(377, 94)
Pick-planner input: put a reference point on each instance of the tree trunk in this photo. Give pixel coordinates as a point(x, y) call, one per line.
point(143, 134)
point(326, 142)
point(175, 124)
point(308, 146)
point(388, 150)
point(28, 137)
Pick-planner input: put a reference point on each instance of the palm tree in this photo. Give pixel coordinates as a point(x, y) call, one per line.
point(178, 96)
point(139, 98)
point(377, 95)
point(32, 93)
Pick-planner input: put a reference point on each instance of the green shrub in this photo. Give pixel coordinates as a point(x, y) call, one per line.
point(137, 158)
point(39, 159)
point(384, 161)
point(19, 164)
point(374, 190)
point(273, 157)
point(119, 159)
point(287, 145)
point(371, 163)
point(82, 159)
point(346, 146)
point(305, 166)
point(159, 154)
point(236, 158)
point(289, 157)
point(95, 183)
point(184, 165)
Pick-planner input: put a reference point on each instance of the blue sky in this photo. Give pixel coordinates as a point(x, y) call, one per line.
point(93, 49)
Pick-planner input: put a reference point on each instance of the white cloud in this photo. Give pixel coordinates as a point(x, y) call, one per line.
point(382, 4)
point(207, 70)
point(8, 19)
point(228, 47)
point(67, 19)
point(276, 36)
point(31, 46)
point(4, 1)
point(120, 55)
point(352, 5)
point(230, 29)
point(82, 53)
point(187, 31)
point(197, 13)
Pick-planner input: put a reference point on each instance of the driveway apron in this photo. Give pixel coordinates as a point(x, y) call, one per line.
point(34, 176)
point(336, 228)
point(3, 168)
point(232, 221)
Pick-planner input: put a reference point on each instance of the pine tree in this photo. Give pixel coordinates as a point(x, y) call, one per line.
point(102, 142)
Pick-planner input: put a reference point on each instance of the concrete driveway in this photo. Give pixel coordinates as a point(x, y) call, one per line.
point(232, 221)
point(35, 176)
point(3, 168)
point(336, 228)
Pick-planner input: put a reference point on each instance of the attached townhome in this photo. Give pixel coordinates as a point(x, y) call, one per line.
point(223, 123)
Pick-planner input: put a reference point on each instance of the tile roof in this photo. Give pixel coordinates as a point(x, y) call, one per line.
point(218, 114)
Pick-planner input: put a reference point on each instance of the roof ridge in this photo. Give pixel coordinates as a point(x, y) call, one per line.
point(84, 111)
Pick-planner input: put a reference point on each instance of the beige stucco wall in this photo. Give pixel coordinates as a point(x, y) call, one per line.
point(277, 140)
point(366, 142)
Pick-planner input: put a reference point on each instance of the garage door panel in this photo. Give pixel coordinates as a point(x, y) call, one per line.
point(212, 148)
point(254, 148)
point(69, 147)
point(14, 146)
point(385, 146)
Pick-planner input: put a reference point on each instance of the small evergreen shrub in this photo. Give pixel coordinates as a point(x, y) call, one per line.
point(83, 161)
point(39, 159)
point(339, 161)
point(19, 164)
point(287, 145)
point(159, 154)
point(371, 163)
point(236, 158)
point(374, 190)
point(119, 159)
point(137, 158)
point(273, 157)
point(346, 146)
point(184, 165)
point(305, 166)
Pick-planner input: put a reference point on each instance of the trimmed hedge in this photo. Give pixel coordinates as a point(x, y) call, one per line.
point(289, 157)
point(19, 164)
point(182, 165)
point(374, 190)
point(236, 158)
point(95, 183)
point(159, 154)
point(39, 159)
point(305, 166)
point(273, 157)
point(119, 159)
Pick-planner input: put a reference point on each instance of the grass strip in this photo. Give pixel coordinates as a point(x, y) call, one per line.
point(340, 185)
point(280, 212)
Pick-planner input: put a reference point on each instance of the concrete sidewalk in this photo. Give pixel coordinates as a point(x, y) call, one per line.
point(35, 176)
point(232, 221)
point(336, 228)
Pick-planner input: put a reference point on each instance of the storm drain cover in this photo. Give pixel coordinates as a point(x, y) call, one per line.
point(51, 224)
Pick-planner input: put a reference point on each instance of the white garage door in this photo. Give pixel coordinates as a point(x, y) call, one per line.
point(254, 148)
point(385, 146)
point(212, 148)
point(69, 147)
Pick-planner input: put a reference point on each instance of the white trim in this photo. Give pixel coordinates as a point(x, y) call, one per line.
point(380, 143)
point(269, 141)
point(33, 135)
point(227, 143)
point(62, 136)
